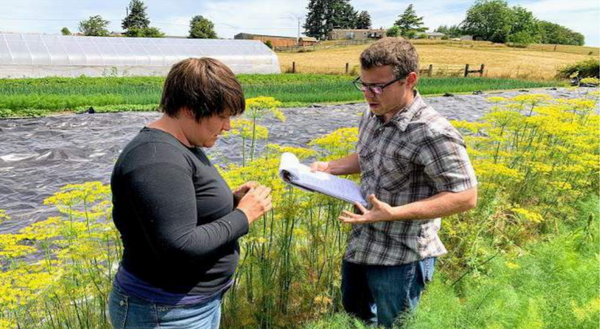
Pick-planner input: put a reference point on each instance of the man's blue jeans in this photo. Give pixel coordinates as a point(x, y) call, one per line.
point(379, 294)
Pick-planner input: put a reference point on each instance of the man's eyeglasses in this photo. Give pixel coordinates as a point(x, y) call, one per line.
point(375, 88)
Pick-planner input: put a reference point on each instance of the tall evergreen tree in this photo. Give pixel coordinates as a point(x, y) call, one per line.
point(364, 20)
point(315, 23)
point(343, 15)
point(136, 16)
point(410, 24)
point(202, 28)
point(326, 15)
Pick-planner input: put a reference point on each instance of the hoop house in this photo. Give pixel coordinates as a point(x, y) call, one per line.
point(41, 55)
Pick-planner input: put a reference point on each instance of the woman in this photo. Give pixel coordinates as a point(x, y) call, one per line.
point(179, 220)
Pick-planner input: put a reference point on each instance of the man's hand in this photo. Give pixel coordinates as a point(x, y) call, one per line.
point(243, 189)
point(381, 211)
point(320, 166)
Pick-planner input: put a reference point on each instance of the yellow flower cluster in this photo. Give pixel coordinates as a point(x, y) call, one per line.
point(247, 129)
point(3, 216)
point(339, 143)
point(543, 152)
point(77, 253)
point(258, 106)
point(528, 215)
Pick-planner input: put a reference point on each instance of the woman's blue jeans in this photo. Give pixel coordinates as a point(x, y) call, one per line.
point(379, 294)
point(128, 312)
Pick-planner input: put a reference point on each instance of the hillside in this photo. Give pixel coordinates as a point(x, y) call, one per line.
point(449, 58)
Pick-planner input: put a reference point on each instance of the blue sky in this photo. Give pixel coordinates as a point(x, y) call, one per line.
point(275, 17)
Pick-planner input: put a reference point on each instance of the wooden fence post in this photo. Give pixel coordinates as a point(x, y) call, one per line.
point(430, 70)
point(481, 70)
point(293, 67)
point(466, 70)
point(555, 47)
point(347, 65)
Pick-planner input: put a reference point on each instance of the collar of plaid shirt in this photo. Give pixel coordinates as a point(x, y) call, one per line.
point(406, 114)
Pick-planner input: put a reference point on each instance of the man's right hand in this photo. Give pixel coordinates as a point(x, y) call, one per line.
point(320, 166)
point(256, 202)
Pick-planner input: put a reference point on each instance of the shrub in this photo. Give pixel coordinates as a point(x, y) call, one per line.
point(584, 69)
point(393, 31)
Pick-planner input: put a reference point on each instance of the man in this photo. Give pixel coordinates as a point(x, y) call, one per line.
point(414, 169)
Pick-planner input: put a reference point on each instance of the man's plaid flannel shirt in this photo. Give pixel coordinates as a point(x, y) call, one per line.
point(416, 155)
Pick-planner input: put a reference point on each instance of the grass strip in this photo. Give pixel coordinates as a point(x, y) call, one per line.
point(20, 96)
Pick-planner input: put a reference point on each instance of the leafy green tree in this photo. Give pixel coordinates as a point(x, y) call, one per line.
point(495, 21)
point(363, 21)
point(325, 15)
point(65, 31)
point(136, 17)
point(393, 31)
point(525, 29)
point(522, 39)
point(94, 26)
point(556, 34)
point(491, 20)
point(410, 24)
point(202, 28)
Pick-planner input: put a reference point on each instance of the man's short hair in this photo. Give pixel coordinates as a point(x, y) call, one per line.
point(400, 54)
point(204, 85)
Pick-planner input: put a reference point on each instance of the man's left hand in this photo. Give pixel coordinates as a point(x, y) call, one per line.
point(380, 211)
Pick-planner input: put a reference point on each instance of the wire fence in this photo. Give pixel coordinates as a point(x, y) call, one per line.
point(354, 69)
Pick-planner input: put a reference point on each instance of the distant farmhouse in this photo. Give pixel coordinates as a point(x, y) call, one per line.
point(278, 41)
point(356, 34)
point(434, 35)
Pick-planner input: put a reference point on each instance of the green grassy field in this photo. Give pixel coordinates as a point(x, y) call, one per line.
point(30, 97)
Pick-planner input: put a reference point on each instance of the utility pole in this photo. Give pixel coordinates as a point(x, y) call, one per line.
point(298, 18)
point(298, 39)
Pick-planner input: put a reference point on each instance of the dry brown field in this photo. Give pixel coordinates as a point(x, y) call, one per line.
point(537, 62)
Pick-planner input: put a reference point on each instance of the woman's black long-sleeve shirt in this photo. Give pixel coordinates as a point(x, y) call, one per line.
point(176, 215)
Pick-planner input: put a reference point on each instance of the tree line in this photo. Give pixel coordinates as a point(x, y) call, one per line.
point(496, 21)
point(488, 20)
point(137, 24)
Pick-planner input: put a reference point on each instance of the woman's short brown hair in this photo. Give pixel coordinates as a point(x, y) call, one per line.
point(398, 53)
point(204, 85)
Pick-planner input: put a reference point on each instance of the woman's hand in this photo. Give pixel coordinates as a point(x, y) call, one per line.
point(255, 202)
point(243, 189)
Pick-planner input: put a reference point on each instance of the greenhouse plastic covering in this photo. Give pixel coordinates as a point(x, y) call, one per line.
point(42, 55)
